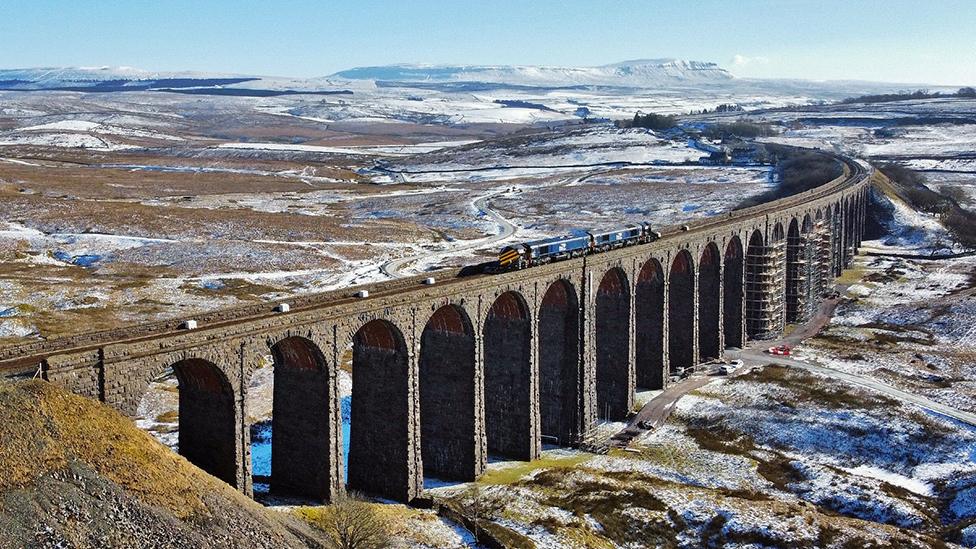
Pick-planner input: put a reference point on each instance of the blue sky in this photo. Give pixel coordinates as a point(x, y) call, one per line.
point(931, 41)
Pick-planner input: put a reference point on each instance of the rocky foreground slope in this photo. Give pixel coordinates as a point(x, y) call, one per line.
point(77, 474)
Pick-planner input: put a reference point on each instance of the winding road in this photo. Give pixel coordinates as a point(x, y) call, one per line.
point(394, 267)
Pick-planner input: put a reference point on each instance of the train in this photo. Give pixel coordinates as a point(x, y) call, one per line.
point(540, 252)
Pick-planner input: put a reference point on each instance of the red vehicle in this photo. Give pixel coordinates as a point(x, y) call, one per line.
point(783, 350)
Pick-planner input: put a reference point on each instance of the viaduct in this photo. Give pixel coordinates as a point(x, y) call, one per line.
point(446, 374)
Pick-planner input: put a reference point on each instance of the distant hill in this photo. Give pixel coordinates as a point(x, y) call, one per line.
point(640, 73)
point(78, 474)
point(127, 79)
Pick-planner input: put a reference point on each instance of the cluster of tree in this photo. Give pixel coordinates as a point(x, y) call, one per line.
point(797, 171)
point(724, 107)
point(650, 121)
point(917, 94)
point(740, 129)
point(912, 187)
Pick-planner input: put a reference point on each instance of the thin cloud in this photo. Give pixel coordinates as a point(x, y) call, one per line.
point(739, 60)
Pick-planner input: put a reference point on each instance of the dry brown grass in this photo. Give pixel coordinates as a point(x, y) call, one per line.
point(81, 176)
point(46, 428)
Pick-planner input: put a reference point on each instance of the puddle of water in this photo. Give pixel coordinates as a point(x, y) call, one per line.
point(261, 445)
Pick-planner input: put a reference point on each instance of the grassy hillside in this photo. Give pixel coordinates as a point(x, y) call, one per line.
point(78, 474)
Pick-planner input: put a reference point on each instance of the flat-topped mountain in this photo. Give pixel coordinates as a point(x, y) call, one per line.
point(638, 73)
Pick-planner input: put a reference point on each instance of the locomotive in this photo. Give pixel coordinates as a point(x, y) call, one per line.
point(540, 252)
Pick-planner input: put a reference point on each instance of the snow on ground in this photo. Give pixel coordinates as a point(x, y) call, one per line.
point(911, 229)
point(907, 322)
point(71, 133)
point(64, 140)
point(926, 140)
point(65, 125)
point(386, 150)
point(967, 165)
point(599, 144)
point(781, 456)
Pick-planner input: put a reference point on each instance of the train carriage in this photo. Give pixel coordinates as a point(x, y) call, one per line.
point(616, 238)
point(539, 252)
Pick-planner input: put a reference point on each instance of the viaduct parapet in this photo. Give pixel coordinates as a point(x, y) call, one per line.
point(446, 374)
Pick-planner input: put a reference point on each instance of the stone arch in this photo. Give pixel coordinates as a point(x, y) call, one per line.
point(448, 438)
point(709, 302)
point(381, 453)
point(613, 345)
point(838, 235)
point(811, 270)
point(830, 225)
point(559, 364)
point(820, 258)
point(779, 233)
point(681, 312)
point(649, 325)
point(757, 292)
point(302, 422)
point(510, 390)
point(733, 292)
point(807, 226)
point(777, 256)
point(847, 251)
point(795, 273)
point(207, 415)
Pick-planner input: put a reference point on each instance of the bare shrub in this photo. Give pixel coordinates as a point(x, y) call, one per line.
point(351, 523)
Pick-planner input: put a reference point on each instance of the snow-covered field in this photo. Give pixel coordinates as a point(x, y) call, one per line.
point(154, 239)
point(909, 320)
point(776, 457)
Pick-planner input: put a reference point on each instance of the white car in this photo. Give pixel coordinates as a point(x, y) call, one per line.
point(726, 369)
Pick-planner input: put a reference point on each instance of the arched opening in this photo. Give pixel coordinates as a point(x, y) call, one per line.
point(559, 364)
point(207, 419)
point(759, 273)
point(681, 312)
point(613, 346)
point(301, 424)
point(777, 255)
point(809, 275)
point(709, 303)
point(649, 326)
point(795, 271)
point(379, 449)
point(848, 251)
point(447, 397)
point(836, 239)
point(508, 379)
point(862, 214)
point(733, 285)
point(821, 260)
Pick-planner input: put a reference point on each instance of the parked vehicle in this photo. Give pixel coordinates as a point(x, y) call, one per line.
point(729, 368)
point(782, 350)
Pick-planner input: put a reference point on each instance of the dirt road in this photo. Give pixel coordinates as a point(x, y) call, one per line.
point(755, 354)
point(394, 267)
point(653, 414)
